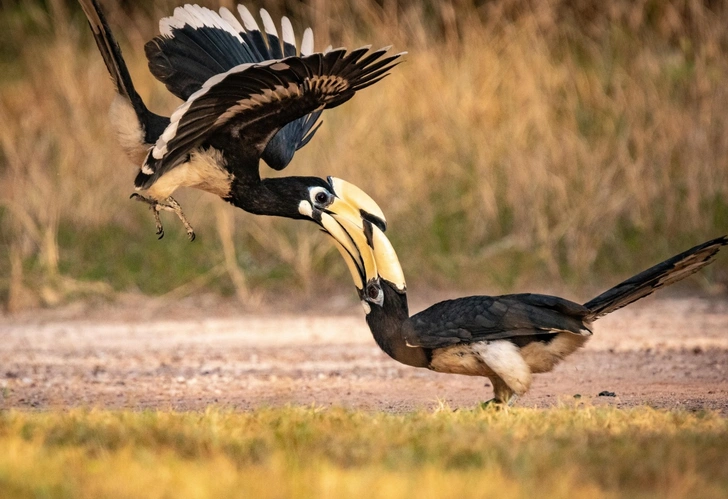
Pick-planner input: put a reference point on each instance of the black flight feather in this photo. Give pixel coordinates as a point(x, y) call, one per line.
point(151, 124)
point(229, 107)
point(188, 56)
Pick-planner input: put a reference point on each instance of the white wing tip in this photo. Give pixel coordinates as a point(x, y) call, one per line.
point(248, 19)
point(232, 21)
point(268, 23)
point(287, 31)
point(307, 42)
point(158, 152)
point(195, 17)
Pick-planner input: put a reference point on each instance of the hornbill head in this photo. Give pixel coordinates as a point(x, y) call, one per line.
point(359, 237)
point(341, 198)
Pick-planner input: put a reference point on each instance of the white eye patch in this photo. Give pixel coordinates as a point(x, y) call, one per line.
point(320, 197)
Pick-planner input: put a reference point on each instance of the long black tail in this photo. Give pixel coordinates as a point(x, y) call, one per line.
point(663, 274)
point(111, 54)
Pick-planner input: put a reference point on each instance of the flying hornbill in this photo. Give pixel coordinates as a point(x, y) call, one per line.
point(504, 338)
point(248, 95)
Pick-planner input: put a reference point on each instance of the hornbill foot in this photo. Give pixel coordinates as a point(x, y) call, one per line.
point(499, 404)
point(490, 404)
point(170, 205)
point(174, 206)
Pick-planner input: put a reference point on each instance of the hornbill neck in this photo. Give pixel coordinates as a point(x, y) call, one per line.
point(387, 325)
point(279, 197)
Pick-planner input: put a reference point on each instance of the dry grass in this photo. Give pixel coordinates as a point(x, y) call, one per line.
point(311, 452)
point(520, 143)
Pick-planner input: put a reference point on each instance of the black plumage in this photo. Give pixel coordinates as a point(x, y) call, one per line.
point(185, 57)
point(152, 124)
point(236, 113)
point(505, 338)
point(248, 95)
point(484, 318)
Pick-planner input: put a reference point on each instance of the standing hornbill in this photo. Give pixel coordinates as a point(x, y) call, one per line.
point(505, 338)
point(248, 95)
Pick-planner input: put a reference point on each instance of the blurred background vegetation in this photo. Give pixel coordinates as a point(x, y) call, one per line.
point(522, 145)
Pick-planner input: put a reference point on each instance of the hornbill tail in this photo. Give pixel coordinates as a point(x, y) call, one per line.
point(111, 53)
point(136, 126)
point(648, 281)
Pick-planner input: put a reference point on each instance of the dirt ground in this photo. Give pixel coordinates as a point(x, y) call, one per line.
point(663, 352)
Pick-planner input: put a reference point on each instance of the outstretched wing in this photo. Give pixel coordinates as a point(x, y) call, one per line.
point(196, 44)
point(239, 111)
point(484, 318)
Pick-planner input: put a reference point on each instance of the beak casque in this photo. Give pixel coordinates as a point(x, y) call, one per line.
point(356, 223)
point(367, 208)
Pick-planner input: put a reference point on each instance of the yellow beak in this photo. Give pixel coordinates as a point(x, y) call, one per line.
point(352, 243)
point(356, 223)
point(365, 206)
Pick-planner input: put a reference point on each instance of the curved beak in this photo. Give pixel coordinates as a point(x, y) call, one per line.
point(345, 220)
point(360, 239)
point(352, 244)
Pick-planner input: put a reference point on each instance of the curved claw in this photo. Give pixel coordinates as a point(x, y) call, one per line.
point(170, 205)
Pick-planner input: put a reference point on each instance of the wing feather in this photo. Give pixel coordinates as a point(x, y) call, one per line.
point(485, 318)
point(197, 44)
point(254, 101)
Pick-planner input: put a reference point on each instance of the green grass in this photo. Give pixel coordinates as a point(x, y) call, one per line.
point(312, 452)
point(124, 258)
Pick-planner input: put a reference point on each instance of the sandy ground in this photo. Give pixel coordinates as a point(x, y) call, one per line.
point(669, 353)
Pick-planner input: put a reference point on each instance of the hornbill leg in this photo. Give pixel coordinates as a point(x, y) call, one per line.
point(170, 205)
point(490, 403)
point(503, 393)
point(153, 205)
point(177, 209)
point(497, 404)
point(158, 222)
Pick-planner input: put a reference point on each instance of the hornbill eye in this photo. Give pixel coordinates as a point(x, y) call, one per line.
point(374, 293)
point(320, 197)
